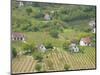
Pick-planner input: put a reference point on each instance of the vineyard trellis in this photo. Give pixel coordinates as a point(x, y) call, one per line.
point(58, 59)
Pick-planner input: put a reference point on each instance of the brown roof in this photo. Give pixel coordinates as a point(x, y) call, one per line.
point(17, 34)
point(86, 40)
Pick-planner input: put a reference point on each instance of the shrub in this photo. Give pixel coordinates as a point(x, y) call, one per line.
point(81, 49)
point(29, 10)
point(66, 45)
point(54, 33)
point(36, 28)
point(14, 52)
point(38, 67)
point(48, 45)
point(38, 56)
point(66, 67)
point(28, 47)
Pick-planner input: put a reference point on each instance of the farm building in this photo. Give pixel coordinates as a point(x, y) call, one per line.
point(85, 41)
point(93, 30)
point(93, 26)
point(47, 17)
point(20, 3)
point(92, 23)
point(74, 47)
point(41, 47)
point(17, 36)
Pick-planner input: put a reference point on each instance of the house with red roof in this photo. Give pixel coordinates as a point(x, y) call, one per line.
point(85, 41)
point(15, 36)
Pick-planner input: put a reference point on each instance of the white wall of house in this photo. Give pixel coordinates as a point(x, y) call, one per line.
point(82, 43)
point(94, 30)
point(42, 48)
point(18, 38)
point(23, 39)
point(75, 49)
point(21, 4)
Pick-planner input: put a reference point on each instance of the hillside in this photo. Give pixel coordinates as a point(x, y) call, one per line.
point(30, 17)
point(52, 37)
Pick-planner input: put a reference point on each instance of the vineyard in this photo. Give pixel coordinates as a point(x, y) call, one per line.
point(55, 61)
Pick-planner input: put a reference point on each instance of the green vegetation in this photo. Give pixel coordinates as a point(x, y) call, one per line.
point(66, 67)
point(38, 56)
point(66, 45)
point(38, 67)
point(14, 52)
point(28, 47)
point(29, 11)
point(54, 33)
point(48, 45)
point(68, 23)
point(31, 17)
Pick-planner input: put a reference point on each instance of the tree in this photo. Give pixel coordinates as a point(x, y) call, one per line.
point(29, 11)
point(38, 67)
point(54, 33)
point(66, 45)
point(48, 45)
point(38, 56)
point(36, 28)
point(28, 47)
point(14, 52)
point(66, 67)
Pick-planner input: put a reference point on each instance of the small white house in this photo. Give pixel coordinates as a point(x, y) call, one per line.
point(85, 41)
point(93, 30)
point(92, 23)
point(47, 17)
point(42, 48)
point(93, 26)
point(74, 48)
point(20, 4)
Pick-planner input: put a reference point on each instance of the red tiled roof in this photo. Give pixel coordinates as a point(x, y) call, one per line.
point(17, 34)
point(86, 40)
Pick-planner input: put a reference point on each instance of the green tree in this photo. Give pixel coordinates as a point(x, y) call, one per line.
point(14, 52)
point(66, 45)
point(38, 67)
point(29, 11)
point(54, 33)
point(38, 56)
point(66, 67)
point(28, 47)
point(48, 45)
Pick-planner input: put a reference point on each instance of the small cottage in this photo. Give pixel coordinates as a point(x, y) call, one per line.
point(47, 17)
point(73, 47)
point(41, 47)
point(92, 23)
point(93, 30)
point(93, 26)
point(85, 41)
point(20, 3)
point(17, 36)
